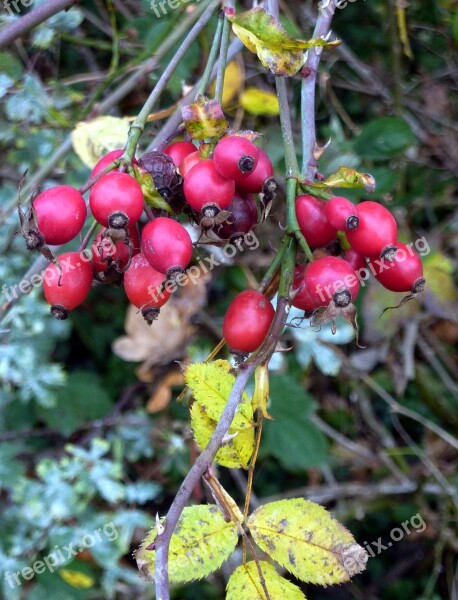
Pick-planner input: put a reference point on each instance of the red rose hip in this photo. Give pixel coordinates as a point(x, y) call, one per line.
point(61, 212)
point(376, 232)
point(235, 157)
point(312, 221)
point(341, 213)
point(178, 151)
point(167, 245)
point(404, 273)
point(247, 321)
point(144, 287)
point(116, 200)
point(252, 183)
point(204, 187)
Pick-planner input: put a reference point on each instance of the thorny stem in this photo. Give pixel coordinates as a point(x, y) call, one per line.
point(212, 56)
point(310, 69)
point(137, 127)
point(223, 56)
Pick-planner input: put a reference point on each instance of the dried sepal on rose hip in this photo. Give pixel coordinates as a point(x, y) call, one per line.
point(247, 321)
point(243, 217)
point(341, 213)
point(253, 183)
point(235, 157)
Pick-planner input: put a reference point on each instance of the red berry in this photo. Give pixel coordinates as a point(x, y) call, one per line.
point(178, 151)
point(355, 259)
point(402, 274)
point(203, 185)
point(300, 295)
point(312, 221)
point(67, 289)
point(106, 161)
point(106, 252)
point(166, 245)
point(144, 286)
point(189, 162)
point(376, 231)
point(252, 183)
point(341, 213)
point(235, 157)
point(244, 216)
point(61, 212)
point(114, 197)
point(247, 321)
point(325, 279)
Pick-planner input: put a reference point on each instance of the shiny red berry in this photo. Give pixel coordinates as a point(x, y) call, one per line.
point(67, 287)
point(402, 274)
point(204, 186)
point(325, 279)
point(116, 200)
point(61, 212)
point(178, 151)
point(189, 161)
point(341, 213)
point(235, 157)
point(247, 321)
point(167, 245)
point(312, 221)
point(355, 259)
point(376, 232)
point(252, 183)
point(144, 287)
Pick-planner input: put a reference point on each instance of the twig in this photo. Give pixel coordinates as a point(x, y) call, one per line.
point(32, 19)
point(322, 28)
point(215, 48)
point(223, 56)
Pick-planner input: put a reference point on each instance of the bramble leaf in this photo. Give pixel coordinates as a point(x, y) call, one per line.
point(305, 539)
point(204, 119)
point(245, 584)
point(211, 385)
point(264, 35)
point(201, 542)
point(235, 452)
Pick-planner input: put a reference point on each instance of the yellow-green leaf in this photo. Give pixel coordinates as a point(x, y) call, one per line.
point(201, 542)
point(76, 579)
point(264, 35)
point(233, 81)
point(204, 119)
point(261, 390)
point(211, 386)
point(245, 584)
point(92, 139)
point(348, 178)
point(305, 539)
point(235, 452)
point(259, 102)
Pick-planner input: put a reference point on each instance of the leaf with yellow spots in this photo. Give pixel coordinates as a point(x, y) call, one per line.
point(211, 385)
point(259, 102)
point(305, 539)
point(276, 49)
point(201, 542)
point(76, 579)
point(245, 584)
point(235, 452)
point(345, 177)
point(204, 119)
point(233, 81)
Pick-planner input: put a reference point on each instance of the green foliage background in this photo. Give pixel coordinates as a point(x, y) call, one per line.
point(78, 448)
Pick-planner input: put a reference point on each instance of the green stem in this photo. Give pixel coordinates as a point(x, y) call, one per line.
point(287, 270)
point(276, 264)
point(88, 236)
point(222, 59)
point(314, 191)
point(203, 84)
point(137, 127)
point(292, 226)
point(292, 167)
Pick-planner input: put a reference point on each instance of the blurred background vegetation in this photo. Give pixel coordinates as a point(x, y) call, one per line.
point(90, 432)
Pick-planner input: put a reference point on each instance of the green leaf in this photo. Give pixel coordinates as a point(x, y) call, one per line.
point(348, 178)
point(234, 453)
point(305, 539)
point(245, 584)
point(201, 542)
point(204, 119)
point(82, 399)
point(265, 36)
point(384, 138)
point(291, 437)
point(211, 385)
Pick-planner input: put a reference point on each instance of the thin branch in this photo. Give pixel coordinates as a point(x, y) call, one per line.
point(310, 70)
point(226, 33)
point(201, 465)
point(32, 19)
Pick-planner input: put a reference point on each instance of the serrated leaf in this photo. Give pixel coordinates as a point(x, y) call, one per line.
point(201, 542)
point(305, 539)
point(259, 102)
point(264, 35)
point(245, 584)
point(204, 119)
point(345, 177)
point(235, 452)
point(211, 386)
point(92, 139)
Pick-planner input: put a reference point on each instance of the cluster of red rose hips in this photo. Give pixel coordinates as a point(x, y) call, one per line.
point(149, 261)
point(216, 193)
